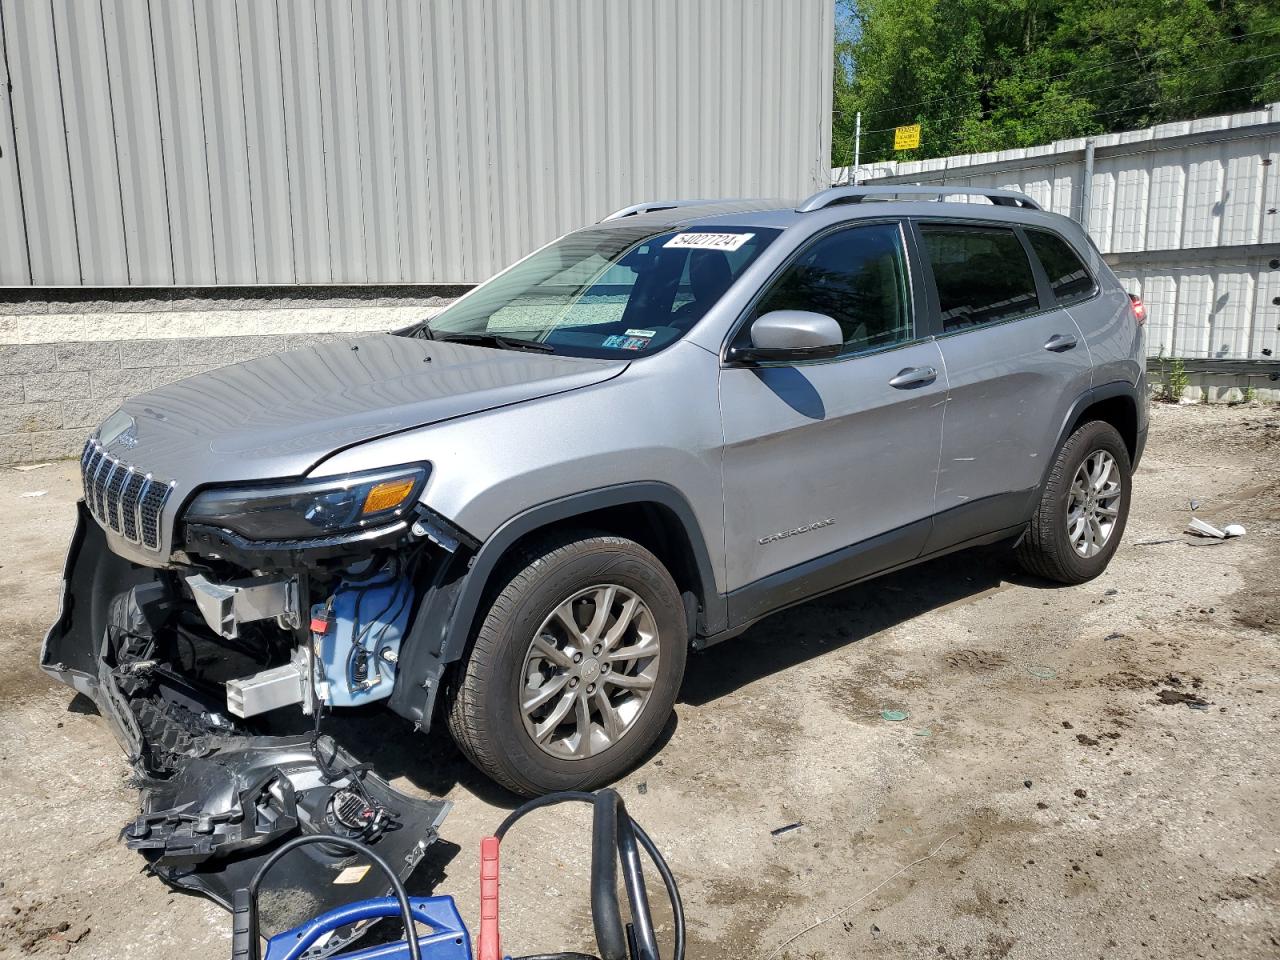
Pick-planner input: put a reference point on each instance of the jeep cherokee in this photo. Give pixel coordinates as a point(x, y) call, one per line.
point(645, 436)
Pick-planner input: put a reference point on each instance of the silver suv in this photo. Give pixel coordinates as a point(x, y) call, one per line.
point(645, 436)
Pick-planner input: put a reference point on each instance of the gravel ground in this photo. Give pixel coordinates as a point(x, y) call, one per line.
point(1086, 771)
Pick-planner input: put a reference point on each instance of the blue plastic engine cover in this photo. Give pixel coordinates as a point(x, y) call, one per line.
point(357, 655)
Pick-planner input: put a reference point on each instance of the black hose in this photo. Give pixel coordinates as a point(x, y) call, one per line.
point(406, 912)
point(606, 914)
point(550, 800)
point(668, 878)
point(669, 881)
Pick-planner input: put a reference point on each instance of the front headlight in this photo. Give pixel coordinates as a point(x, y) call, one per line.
point(311, 508)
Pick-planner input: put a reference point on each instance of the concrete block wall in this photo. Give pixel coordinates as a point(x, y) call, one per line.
point(66, 364)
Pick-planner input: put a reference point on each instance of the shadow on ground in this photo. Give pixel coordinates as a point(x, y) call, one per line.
point(848, 616)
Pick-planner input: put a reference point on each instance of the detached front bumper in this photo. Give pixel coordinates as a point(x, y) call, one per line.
point(215, 797)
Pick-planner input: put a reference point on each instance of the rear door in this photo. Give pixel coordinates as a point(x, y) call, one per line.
point(829, 466)
point(1015, 361)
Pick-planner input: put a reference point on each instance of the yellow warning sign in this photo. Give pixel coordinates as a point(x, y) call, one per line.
point(906, 138)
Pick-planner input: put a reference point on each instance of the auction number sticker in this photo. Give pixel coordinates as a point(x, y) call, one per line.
point(708, 241)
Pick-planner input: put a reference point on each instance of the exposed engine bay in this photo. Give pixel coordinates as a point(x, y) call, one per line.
point(216, 676)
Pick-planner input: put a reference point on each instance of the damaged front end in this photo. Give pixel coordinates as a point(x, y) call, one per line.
point(186, 660)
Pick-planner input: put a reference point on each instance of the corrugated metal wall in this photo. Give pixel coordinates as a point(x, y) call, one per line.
point(1187, 214)
point(194, 142)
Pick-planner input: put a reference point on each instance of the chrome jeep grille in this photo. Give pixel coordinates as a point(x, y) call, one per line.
point(122, 498)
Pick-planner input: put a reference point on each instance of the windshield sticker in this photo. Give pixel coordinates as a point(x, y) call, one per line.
point(708, 241)
point(626, 343)
point(642, 333)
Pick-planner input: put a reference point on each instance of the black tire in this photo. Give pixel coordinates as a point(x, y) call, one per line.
point(1046, 550)
point(483, 700)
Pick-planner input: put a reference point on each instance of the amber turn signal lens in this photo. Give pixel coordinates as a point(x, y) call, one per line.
point(388, 494)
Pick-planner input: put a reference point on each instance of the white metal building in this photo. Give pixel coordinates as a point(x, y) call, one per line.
point(237, 142)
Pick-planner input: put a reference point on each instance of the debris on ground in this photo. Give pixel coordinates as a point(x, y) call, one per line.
point(1170, 697)
point(28, 467)
point(894, 715)
point(1041, 672)
point(34, 493)
point(787, 828)
point(1202, 529)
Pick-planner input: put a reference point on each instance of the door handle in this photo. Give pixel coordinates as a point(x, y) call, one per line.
point(1061, 342)
point(914, 377)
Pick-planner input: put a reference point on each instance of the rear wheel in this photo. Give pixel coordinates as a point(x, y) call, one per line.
point(575, 667)
point(1083, 508)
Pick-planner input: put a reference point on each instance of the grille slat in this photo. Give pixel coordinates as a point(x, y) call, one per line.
point(121, 498)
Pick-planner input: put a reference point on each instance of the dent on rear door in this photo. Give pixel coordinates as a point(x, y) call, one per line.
point(1009, 397)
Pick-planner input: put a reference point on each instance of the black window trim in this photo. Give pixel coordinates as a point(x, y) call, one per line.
point(916, 298)
point(1044, 292)
point(1036, 264)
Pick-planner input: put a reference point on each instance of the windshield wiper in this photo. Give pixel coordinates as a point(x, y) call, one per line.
point(496, 340)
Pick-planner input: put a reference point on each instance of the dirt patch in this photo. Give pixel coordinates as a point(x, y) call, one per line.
point(1169, 697)
point(36, 927)
point(1050, 845)
point(976, 660)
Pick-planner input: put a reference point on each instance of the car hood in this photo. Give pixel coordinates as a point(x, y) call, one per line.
point(279, 415)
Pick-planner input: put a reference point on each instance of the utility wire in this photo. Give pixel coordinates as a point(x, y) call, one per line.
point(1068, 73)
point(1129, 83)
point(1102, 113)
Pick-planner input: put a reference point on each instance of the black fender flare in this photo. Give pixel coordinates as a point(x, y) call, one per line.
point(1106, 391)
point(450, 602)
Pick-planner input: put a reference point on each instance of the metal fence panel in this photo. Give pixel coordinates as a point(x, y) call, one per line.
point(183, 138)
point(226, 131)
point(90, 143)
point(344, 144)
point(305, 141)
point(15, 269)
point(260, 43)
point(144, 196)
point(41, 143)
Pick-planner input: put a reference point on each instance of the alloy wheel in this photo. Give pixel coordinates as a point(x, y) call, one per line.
point(589, 672)
point(1093, 503)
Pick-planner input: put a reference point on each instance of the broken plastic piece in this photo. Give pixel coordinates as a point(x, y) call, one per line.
point(1200, 528)
point(1233, 530)
point(894, 715)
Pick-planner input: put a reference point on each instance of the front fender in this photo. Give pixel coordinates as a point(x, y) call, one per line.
point(451, 602)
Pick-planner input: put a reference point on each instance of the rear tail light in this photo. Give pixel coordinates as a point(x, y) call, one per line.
point(1139, 308)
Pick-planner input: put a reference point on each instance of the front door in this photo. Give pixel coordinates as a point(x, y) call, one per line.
point(830, 466)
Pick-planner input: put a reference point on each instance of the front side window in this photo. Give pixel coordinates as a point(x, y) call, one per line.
point(982, 275)
point(857, 276)
point(616, 291)
point(1069, 277)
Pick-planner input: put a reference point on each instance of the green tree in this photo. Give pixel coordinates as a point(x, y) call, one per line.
point(993, 74)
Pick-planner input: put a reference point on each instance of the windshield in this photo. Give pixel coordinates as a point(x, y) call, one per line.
point(614, 291)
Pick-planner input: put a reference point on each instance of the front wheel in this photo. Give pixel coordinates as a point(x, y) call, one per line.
point(1083, 508)
point(575, 668)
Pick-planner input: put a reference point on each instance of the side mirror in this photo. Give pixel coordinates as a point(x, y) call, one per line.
point(786, 336)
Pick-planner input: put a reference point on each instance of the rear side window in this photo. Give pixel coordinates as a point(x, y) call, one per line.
point(982, 274)
point(857, 276)
point(1069, 277)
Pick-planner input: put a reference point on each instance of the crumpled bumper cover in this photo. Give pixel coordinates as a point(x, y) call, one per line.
point(215, 799)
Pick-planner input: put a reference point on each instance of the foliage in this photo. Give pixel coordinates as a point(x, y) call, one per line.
point(994, 74)
point(1176, 379)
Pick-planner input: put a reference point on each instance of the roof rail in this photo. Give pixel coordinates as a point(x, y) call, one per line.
point(649, 206)
point(838, 195)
